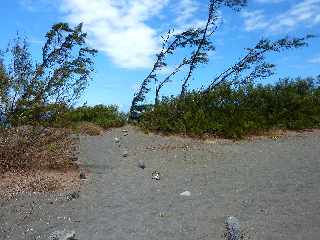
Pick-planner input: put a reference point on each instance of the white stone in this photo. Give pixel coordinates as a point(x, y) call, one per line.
point(62, 235)
point(156, 175)
point(186, 193)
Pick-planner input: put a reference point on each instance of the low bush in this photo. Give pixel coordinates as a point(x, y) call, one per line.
point(234, 112)
point(31, 148)
point(59, 115)
point(101, 115)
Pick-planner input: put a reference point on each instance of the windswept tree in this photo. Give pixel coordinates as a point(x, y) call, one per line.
point(200, 54)
point(253, 65)
point(171, 42)
point(60, 77)
point(197, 39)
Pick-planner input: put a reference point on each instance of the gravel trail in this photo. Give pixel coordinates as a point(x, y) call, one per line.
point(271, 186)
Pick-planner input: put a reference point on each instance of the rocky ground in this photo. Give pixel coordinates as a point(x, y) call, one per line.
point(270, 184)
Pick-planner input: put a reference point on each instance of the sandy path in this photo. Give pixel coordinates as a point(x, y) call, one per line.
point(271, 186)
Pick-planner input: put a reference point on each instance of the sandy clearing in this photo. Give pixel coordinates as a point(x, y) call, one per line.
point(272, 186)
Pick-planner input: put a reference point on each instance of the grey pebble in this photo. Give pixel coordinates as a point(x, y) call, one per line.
point(82, 175)
point(156, 175)
point(141, 164)
point(62, 235)
point(233, 228)
point(125, 153)
point(73, 195)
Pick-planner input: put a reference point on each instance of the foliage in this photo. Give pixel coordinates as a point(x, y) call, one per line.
point(253, 65)
point(197, 39)
point(236, 111)
point(59, 78)
point(103, 116)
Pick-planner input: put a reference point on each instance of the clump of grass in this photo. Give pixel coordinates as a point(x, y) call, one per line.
point(87, 128)
point(33, 148)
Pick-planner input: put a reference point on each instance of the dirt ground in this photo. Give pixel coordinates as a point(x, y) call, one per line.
point(270, 184)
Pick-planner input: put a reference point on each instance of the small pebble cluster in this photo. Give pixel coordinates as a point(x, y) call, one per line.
point(63, 235)
point(125, 153)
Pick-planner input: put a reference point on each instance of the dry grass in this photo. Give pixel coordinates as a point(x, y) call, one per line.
point(36, 159)
point(12, 184)
point(35, 148)
point(87, 128)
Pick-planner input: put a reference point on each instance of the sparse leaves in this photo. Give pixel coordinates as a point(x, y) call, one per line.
point(60, 78)
point(195, 39)
point(253, 65)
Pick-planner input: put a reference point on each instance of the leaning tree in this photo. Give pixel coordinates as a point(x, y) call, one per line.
point(59, 78)
point(249, 68)
point(198, 39)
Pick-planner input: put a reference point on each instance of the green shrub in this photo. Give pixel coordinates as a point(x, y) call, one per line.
point(101, 115)
point(237, 111)
point(57, 115)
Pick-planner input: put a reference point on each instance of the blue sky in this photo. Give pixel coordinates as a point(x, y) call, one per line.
point(127, 35)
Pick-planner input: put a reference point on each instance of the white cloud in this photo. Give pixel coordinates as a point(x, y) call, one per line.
point(122, 30)
point(186, 10)
point(315, 60)
point(254, 20)
point(306, 13)
point(118, 28)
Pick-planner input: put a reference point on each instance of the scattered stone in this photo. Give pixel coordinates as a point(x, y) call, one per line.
point(73, 195)
point(156, 175)
point(233, 228)
point(186, 194)
point(125, 153)
point(62, 235)
point(83, 176)
point(117, 140)
point(141, 164)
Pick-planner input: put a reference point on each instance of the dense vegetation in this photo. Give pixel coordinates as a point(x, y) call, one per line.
point(236, 111)
point(60, 115)
point(44, 93)
point(101, 115)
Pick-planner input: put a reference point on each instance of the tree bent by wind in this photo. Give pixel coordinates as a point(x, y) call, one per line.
point(248, 69)
point(197, 39)
point(59, 79)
